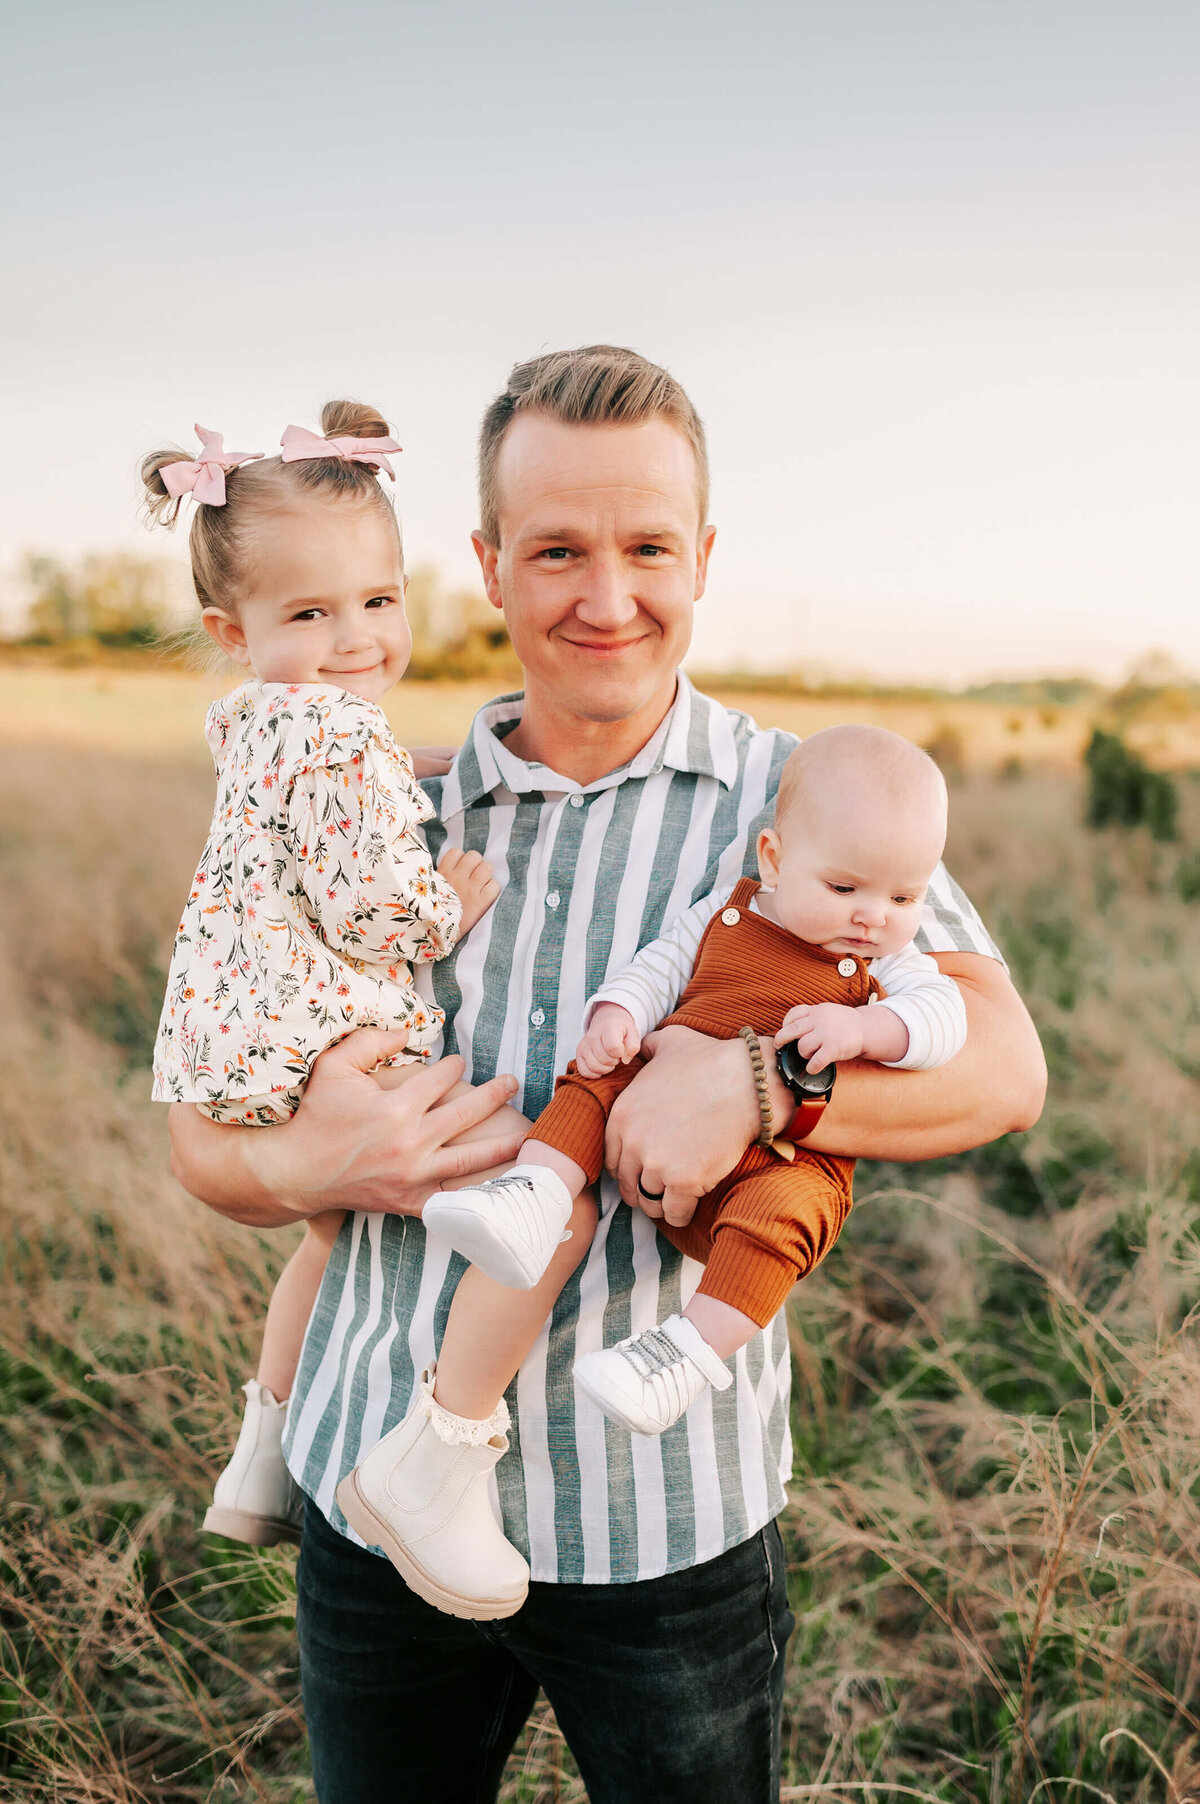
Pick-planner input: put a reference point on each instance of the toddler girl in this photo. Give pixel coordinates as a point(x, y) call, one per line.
point(315, 894)
point(819, 953)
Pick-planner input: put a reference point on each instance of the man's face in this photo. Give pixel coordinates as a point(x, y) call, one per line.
point(601, 560)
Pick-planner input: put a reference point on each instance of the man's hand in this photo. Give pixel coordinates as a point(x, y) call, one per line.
point(612, 1039)
point(351, 1144)
point(824, 1032)
point(431, 760)
point(471, 875)
point(683, 1123)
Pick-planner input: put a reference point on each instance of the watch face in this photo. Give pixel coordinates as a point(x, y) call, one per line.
point(799, 1079)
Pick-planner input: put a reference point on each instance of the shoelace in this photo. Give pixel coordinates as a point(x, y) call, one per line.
point(662, 1366)
point(528, 1216)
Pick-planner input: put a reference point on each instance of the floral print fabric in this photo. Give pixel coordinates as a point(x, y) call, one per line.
point(314, 897)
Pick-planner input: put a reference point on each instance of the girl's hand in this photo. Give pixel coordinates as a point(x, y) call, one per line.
point(471, 875)
point(612, 1039)
point(431, 760)
point(825, 1032)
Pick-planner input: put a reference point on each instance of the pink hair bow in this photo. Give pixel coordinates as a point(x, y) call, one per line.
point(204, 479)
point(299, 443)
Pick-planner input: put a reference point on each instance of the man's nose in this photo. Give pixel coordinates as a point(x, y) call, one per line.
point(606, 603)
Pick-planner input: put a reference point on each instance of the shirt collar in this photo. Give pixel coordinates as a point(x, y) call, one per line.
point(696, 736)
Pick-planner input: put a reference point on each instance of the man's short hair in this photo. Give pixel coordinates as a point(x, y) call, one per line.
point(597, 385)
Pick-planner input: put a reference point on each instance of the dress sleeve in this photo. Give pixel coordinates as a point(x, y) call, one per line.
point(650, 986)
point(365, 872)
point(929, 1003)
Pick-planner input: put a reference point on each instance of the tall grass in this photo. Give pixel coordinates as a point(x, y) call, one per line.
point(994, 1528)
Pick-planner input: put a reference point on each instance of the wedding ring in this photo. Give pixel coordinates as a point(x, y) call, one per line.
point(651, 1196)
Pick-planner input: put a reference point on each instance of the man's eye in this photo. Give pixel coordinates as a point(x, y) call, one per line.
point(651, 550)
point(558, 552)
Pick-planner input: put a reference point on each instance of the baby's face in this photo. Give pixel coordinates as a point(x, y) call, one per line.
point(323, 603)
point(851, 876)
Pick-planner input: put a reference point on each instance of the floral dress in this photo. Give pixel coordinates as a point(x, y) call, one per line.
point(314, 897)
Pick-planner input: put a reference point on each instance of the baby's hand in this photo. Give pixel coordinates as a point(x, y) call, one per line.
point(431, 760)
point(612, 1039)
point(472, 877)
point(825, 1032)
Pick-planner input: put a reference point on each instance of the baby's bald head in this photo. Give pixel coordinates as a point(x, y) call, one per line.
point(860, 770)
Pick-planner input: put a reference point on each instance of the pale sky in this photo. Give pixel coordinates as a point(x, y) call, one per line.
point(930, 270)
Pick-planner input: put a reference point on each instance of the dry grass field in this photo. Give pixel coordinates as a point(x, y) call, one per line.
point(995, 1523)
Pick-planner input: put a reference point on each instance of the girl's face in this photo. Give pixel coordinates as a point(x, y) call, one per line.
point(323, 601)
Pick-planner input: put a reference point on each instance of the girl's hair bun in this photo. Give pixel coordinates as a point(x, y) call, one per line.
point(160, 508)
point(352, 419)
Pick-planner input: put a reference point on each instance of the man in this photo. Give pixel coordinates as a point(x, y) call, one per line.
point(607, 798)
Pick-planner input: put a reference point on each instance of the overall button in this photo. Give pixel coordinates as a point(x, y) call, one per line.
point(730, 917)
point(846, 967)
point(538, 1017)
point(553, 899)
point(577, 801)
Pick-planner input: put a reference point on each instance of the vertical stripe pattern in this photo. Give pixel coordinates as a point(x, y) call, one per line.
point(590, 875)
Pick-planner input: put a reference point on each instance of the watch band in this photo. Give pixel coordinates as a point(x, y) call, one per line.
point(806, 1117)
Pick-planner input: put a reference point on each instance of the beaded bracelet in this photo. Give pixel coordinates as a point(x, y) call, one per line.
point(766, 1113)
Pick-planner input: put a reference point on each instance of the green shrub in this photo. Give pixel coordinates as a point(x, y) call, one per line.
point(1124, 792)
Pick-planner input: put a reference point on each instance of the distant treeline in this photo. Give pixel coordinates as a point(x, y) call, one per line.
point(122, 605)
point(119, 605)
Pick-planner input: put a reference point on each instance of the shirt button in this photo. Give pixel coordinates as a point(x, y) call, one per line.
point(553, 899)
point(577, 801)
point(846, 967)
point(730, 917)
point(538, 1017)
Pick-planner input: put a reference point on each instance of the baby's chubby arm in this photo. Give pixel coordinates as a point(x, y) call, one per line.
point(920, 1024)
point(828, 1032)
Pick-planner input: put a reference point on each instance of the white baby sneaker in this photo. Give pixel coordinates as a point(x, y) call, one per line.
point(422, 1495)
point(646, 1382)
point(509, 1226)
point(256, 1499)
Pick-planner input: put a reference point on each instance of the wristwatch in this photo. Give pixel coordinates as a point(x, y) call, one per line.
point(810, 1090)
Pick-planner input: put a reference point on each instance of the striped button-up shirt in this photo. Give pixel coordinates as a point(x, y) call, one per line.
point(590, 873)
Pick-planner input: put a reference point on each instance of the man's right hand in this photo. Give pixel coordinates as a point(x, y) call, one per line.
point(350, 1145)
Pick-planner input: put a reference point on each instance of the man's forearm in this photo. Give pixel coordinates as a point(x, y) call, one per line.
point(995, 1085)
point(214, 1163)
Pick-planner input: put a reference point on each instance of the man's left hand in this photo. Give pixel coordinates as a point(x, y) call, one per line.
point(683, 1123)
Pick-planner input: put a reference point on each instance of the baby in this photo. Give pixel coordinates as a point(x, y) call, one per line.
point(818, 954)
point(315, 894)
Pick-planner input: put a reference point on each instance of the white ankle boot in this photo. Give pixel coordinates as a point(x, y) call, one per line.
point(509, 1226)
point(256, 1499)
point(422, 1495)
point(646, 1382)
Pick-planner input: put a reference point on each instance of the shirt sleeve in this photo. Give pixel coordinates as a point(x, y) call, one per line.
point(650, 987)
point(949, 922)
point(363, 867)
point(929, 1003)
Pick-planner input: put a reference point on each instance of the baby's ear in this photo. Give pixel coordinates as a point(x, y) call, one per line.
point(768, 857)
point(225, 633)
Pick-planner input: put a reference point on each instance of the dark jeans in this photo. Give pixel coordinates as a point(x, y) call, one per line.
point(668, 1690)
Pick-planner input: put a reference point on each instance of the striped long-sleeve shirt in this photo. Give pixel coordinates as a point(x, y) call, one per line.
point(591, 873)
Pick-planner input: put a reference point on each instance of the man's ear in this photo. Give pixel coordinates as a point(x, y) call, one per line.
point(225, 632)
point(489, 557)
point(768, 857)
point(704, 547)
